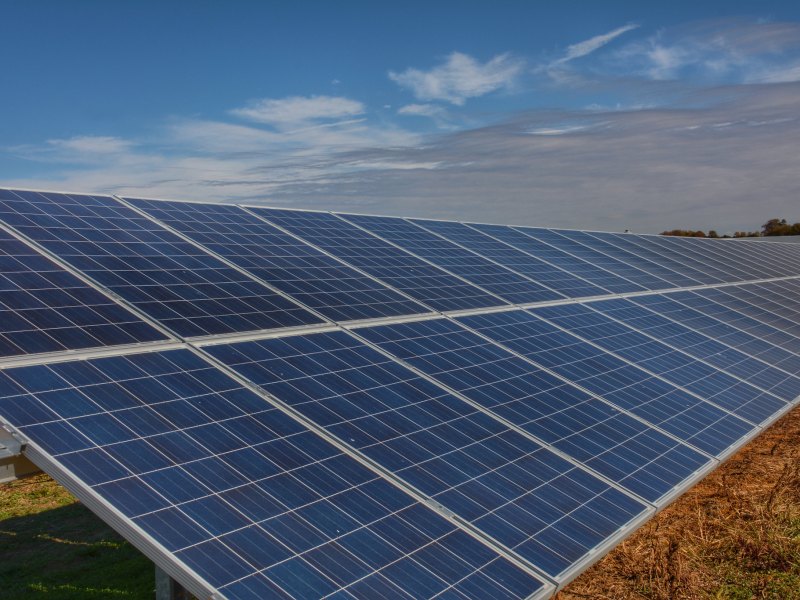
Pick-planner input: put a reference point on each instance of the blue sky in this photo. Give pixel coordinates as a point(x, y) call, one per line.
point(590, 115)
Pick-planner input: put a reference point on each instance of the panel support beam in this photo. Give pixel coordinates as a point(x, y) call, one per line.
point(169, 589)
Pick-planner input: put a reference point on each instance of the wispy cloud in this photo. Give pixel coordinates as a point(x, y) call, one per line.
point(730, 50)
point(586, 47)
point(460, 77)
point(298, 109)
point(422, 110)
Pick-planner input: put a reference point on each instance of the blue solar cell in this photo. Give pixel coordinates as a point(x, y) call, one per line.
point(546, 509)
point(44, 308)
point(670, 266)
point(310, 276)
point(730, 393)
point(175, 283)
point(594, 276)
point(550, 275)
point(688, 418)
point(572, 242)
point(611, 246)
point(728, 326)
point(509, 285)
point(704, 347)
point(277, 507)
point(420, 280)
point(625, 450)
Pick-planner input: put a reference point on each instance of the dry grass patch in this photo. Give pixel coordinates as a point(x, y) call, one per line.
point(736, 535)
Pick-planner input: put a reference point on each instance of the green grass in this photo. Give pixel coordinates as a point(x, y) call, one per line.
point(54, 548)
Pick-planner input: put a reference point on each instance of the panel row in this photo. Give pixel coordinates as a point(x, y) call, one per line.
point(201, 269)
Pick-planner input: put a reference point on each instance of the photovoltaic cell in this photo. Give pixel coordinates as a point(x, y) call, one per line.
point(420, 280)
point(556, 279)
point(495, 278)
point(625, 450)
point(687, 417)
point(658, 276)
point(246, 497)
point(573, 246)
point(698, 345)
point(734, 329)
point(310, 276)
point(44, 308)
point(549, 511)
point(169, 279)
point(594, 275)
point(687, 274)
point(730, 393)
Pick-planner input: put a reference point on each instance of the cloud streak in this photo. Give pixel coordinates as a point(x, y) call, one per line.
point(460, 77)
point(586, 47)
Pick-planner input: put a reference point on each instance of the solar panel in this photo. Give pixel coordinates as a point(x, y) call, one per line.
point(45, 308)
point(725, 391)
point(308, 275)
point(570, 242)
point(593, 274)
point(422, 281)
point(708, 349)
point(605, 439)
point(286, 444)
point(242, 499)
point(476, 269)
point(659, 275)
point(545, 509)
point(687, 274)
point(553, 277)
point(169, 279)
point(683, 415)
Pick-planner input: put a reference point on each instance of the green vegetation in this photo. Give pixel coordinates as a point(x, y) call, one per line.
point(53, 547)
point(770, 228)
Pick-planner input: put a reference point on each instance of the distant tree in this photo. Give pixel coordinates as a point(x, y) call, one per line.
point(712, 233)
point(771, 227)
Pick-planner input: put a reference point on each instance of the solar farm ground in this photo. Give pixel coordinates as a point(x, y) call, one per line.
point(736, 535)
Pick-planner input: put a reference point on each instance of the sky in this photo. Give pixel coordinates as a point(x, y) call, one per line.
point(589, 115)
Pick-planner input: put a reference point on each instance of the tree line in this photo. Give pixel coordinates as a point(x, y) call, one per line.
point(771, 227)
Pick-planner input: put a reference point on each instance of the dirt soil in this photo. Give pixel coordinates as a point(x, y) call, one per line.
point(735, 535)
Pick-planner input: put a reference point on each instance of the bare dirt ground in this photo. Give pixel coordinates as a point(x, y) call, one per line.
point(734, 535)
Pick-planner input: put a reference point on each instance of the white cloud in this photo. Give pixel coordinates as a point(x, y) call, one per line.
point(460, 77)
point(422, 110)
point(588, 46)
point(298, 109)
point(91, 144)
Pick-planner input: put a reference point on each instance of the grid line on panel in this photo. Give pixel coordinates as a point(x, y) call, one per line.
point(312, 278)
point(686, 416)
point(186, 290)
point(222, 259)
point(496, 232)
point(46, 307)
point(366, 460)
point(197, 524)
point(612, 281)
point(705, 347)
point(624, 243)
point(257, 362)
point(249, 210)
point(597, 258)
point(513, 258)
point(462, 262)
point(386, 262)
point(610, 460)
point(662, 277)
point(686, 360)
point(384, 239)
point(667, 371)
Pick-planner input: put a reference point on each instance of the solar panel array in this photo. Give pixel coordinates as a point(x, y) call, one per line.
point(295, 404)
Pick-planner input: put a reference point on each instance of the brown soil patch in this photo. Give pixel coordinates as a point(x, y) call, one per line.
point(735, 535)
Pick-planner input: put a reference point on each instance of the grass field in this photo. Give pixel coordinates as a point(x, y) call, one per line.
point(736, 535)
